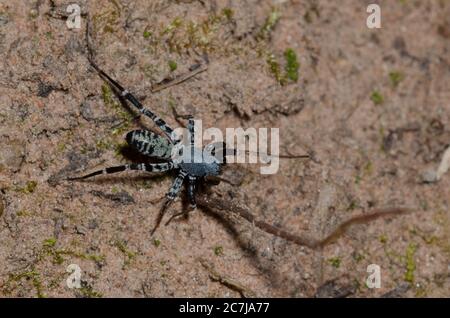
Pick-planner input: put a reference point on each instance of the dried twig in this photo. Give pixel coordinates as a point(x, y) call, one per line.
point(339, 287)
point(199, 68)
point(224, 208)
point(226, 281)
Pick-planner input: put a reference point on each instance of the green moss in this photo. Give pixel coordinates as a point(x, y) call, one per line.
point(156, 242)
point(218, 250)
point(33, 14)
point(107, 94)
point(103, 144)
point(89, 292)
point(428, 239)
point(421, 291)
point(172, 65)
point(175, 24)
point(410, 263)
point(50, 242)
point(228, 13)
point(109, 101)
point(108, 19)
point(61, 147)
point(358, 257)
point(274, 67)
point(90, 257)
point(48, 250)
point(146, 34)
point(32, 275)
point(129, 255)
point(270, 24)
point(442, 219)
point(292, 65)
point(365, 171)
point(335, 262)
point(57, 254)
point(49, 35)
point(58, 259)
point(383, 239)
point(181, 36)
point(23, 213)
point(353, 205)
point(396, 78)
point(368, 168)
point(377, 98)
point(108, 143)
point(29, 187)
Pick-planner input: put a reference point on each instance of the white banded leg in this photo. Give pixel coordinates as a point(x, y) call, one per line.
point(170, 196)
point(191, 131)
point(191, 195)
point(191, 191)
point(156, 167)
point(133, 100)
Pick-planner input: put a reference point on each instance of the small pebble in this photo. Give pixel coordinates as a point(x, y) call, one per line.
point(11, 155)
point(81, 230)
point(429, 176)
point(4, 19)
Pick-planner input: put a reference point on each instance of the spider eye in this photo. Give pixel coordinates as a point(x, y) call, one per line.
point(180, 152)
point(213, 151)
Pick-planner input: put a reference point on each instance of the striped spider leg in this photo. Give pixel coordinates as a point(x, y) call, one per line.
point(166, 129)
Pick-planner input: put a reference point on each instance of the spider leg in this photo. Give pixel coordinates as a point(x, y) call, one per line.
point(156, 167)
point(191, 130)
point(191, 191)
point(176, 186)
point(191, 196)
point(191, 137)
point(170, 196)
point(133, 100)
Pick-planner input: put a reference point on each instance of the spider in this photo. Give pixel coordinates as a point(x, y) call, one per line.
point(190, 163)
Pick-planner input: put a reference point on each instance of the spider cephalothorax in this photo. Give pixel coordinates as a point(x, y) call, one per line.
point(191, 163)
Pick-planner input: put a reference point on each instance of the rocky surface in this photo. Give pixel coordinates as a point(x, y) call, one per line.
point(372, 107)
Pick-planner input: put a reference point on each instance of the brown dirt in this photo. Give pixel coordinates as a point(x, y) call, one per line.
point(57, 119)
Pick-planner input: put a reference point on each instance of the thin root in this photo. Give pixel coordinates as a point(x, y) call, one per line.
point(222, 208)
point(226, 281)
point(180, 79)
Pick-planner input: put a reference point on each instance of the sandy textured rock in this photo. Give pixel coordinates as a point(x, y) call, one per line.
point(371, 107)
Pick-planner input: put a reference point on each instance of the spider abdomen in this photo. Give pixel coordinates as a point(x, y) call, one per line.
point(149, 144)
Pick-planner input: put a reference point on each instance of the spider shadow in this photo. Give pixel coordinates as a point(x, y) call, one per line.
point(263, 266)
